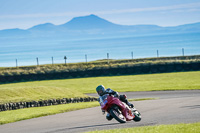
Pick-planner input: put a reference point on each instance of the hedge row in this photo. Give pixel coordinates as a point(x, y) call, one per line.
point(21, 105)
point(141, 68)
point(173, 58)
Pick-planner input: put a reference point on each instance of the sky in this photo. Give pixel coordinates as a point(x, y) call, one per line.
point(24, 14)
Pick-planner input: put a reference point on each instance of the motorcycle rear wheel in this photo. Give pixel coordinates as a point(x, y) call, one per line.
point(116, 113)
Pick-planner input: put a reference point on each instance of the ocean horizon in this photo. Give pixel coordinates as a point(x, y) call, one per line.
point(26, 50)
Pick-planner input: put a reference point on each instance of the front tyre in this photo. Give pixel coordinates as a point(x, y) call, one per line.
point(137, 116)
point(116, 113)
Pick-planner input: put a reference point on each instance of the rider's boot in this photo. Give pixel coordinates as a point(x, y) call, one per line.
point(124, 99)
point(109, 117)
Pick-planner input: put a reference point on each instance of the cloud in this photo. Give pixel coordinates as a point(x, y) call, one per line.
point(183, 7)
point(191, 7)
point(40, 15)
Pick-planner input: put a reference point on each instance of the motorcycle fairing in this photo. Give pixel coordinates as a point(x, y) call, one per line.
point(109, 100)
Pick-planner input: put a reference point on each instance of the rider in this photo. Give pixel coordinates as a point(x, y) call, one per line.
point(102, 91)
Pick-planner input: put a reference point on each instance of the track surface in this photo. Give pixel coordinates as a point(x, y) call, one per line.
point(171, 107)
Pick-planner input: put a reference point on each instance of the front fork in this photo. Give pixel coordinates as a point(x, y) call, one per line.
point(130, 115)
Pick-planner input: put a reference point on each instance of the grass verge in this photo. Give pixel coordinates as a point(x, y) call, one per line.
point(66, 88)
point(28, 113)
point(142, 99)
point(177, 128)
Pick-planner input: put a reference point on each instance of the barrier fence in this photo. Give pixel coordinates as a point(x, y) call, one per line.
point(37, 61)
point(21, 105)
point(108, 70)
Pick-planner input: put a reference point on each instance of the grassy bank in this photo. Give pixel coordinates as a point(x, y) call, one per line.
point(66, 88)
point(49, 68)
point(28, 113)
point(35, 91)
point(177, 128)
point(100, 68)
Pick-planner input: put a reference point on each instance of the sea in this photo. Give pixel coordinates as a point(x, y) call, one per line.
point(29, 51)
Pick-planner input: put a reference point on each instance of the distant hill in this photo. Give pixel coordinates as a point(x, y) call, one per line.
point(46, 26)
point(14, 33)
point(93, 25)
point(88, 23)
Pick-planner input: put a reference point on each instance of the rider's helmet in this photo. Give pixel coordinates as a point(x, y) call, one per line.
point(100, 90)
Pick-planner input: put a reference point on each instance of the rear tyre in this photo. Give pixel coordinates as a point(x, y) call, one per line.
point(117, 114)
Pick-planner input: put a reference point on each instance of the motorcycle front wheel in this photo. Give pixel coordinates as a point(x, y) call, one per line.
point(137, 116)
point(116, 113)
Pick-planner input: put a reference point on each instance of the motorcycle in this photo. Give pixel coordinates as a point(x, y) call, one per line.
point(118, 109)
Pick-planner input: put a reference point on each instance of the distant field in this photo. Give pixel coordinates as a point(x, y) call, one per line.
point(66, 88)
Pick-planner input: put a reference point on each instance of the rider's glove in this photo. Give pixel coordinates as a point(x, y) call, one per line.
point(98, 99)
point(130, 105)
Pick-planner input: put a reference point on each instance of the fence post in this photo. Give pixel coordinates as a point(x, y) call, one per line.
point(37, 61)
point(65, 59)
point(183, 51)
point(157, 53)
point(16, 63)
point(108, 58)
point(52, 59)
point(86, 58)
point(132, 55)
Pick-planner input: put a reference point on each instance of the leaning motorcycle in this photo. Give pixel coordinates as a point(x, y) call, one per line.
point(118, 109)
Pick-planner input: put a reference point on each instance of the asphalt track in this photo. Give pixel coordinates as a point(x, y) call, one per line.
point(172, 107)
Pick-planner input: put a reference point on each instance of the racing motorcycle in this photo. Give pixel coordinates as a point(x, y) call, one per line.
point(118, 109)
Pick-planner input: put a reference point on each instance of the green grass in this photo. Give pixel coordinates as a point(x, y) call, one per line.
point(66, 88)
point(142, 99)
point(28, 113)
point(177, 128)
point(35, 91)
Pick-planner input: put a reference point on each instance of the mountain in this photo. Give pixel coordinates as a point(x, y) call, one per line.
point(46, 26)
point(195, 27)
point(14, 32)
point(94, 26)
point(88, 23)
point(101, 26)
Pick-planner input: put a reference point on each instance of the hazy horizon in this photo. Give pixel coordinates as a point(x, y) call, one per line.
point(24, 14)
point(97, 16)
